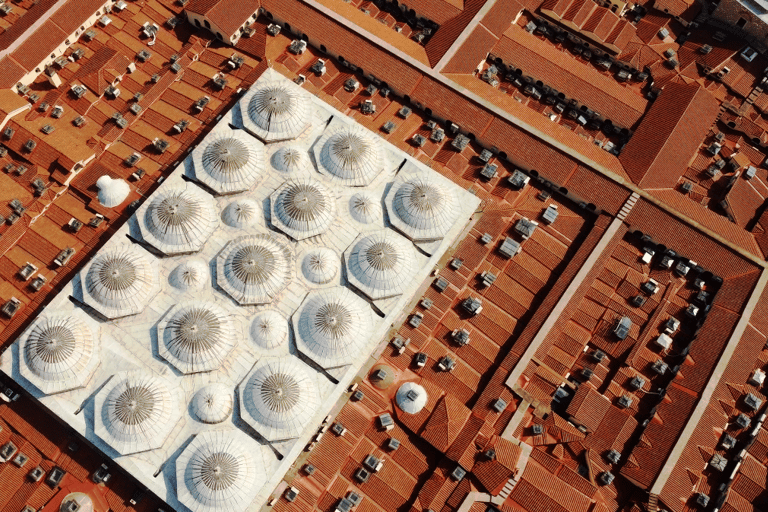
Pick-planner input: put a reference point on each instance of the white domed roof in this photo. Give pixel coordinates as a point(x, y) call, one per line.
point(302, 208)
point(112, 192)
point(196, 336)
point(269, 329)
point(320, 265)
point(422, 207)
point(364, 208)
point(254, 269)
point(229, 161)
point(192, 274)
point(120, 281)
point(241, 213)
point(84, 502)
point(135, 412)
point(349, 155)
point(279, 398)
point(291, 159)
point(213, 403)
point(411, 397)
point(275, 111)
point(381, 263)
point(59, 351)
point(178, 219)
point(219, 470)
point(332, 326)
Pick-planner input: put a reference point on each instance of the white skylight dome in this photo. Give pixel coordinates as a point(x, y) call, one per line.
point(349, 155)
point(192, 274)
point(291, 159)
point(254, 269)
point(421, 207)
point(219, 470)
point(59, 351)
point(196, 336)
point(120, 281)
point(381, 264)
point(302, 208)
point(178, 219)
point(112, 192)
point(269, 329)
point(332, 326)
point(213, 403)
point(364, 208)
point(241, 213)
point(411, 397)
point(83, 502)
point(320, 265)
point(228, 161)
point(279, 398)
point(136, 412)
point(275, 111)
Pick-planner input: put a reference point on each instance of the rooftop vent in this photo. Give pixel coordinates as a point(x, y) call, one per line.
point(621, 330)
point(526, 227)
point(472, 305)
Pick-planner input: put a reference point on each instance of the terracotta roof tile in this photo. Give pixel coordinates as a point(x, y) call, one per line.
point(473, 52)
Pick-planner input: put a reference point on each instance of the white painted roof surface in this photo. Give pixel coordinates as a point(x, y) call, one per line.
point(411, 397)
point(112, 192)
point(302, 208)
point(380, 264)
point(228, 161)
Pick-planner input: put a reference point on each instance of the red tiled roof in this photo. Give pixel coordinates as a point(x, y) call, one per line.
point(21, 25)
point(743, 202)
point(498, 17)
point(71, 17)
point(39, 46)
point(229, 16)
point(10, 72)
point(450, 30)
point(473, 52)
point(588, 406)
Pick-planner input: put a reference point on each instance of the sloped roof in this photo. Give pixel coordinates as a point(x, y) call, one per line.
point(225, 14)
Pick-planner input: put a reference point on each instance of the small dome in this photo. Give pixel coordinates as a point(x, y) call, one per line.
point(381, 264)
point(192, 274)
point(136, 412)
point(196, 336)
point(83, 502)
point(273, 111)
point(112, 192)
point(422, 208)
point(178, 219)
point(241, 213)
point(121, 281)
point(59, 351)
point(302, 208)
point(320, 265)
point(213, 403)
point(254, 269)
point(219, 470)
point(290, 159)
point(411, 398)
point(332, 326)
point(350, 155)
point(279, 398)
point(229, 161)
point(269, 329)
point(365, 208)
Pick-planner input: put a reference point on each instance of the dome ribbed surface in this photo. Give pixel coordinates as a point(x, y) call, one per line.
point(274, 111)
point(136, 412)
point(364, 208)
point(241, 213)
point(381, 264)
point(320, 265)
point(302, 208)
point(229, 161)
point(59, 351)
point(178, 219)
point(192, 274)
point(422, 207)
point(279, 398)
point(350, 156)
point(332, 326)
point(213, 403)
point(411, 397)
point(196, 336)
point(219, 470)
point(269, 329)
point(291, 159)
point(121, 281)
point(254, 269)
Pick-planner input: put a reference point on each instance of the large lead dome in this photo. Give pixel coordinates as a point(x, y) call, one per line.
point(228, 161)
point(120, 281)
point(349, 155)
point(380, 264)
point(59, 351)
point(302, 208)
point(279, 398)
point(275, 111)
point(178, 219)
point(254, 269)
point(421, 207)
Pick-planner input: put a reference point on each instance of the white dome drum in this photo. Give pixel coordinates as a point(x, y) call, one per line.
point(228, 161)
point(120, 281)
point(350, 155)
point(59, 351)
point(254, 269)
point(381, 264)
point(192, 274)
point(241, 213)
point(269, 329)
point(279, 398)
point(302, 208)
point(291, 159)
point(178, 219)
point(275, 111)
point(112, 192)
point(421, 207)
point(213, 403)
point(320, 265)
point(411, 397)
point(364, 208)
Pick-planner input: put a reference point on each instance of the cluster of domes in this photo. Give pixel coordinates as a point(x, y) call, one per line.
point(228, 161)
point(273, 112)
point(349, 155)
point(302, 208)
point(421, 207)
point(381, 264)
